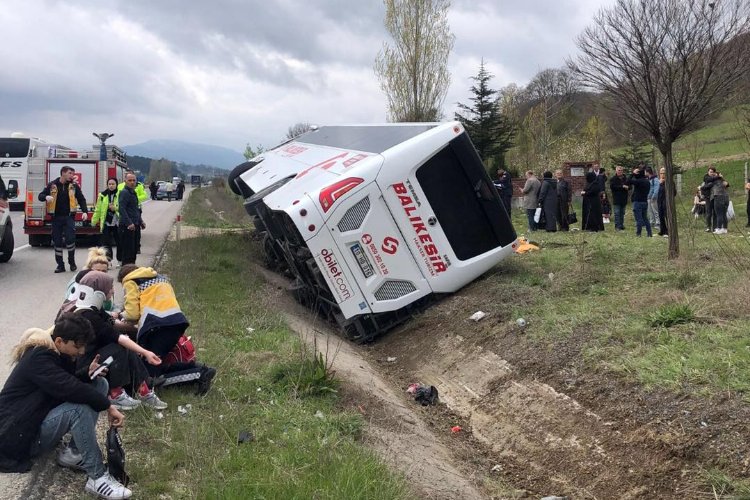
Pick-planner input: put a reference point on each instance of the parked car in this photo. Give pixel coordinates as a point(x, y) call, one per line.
point(161, 193)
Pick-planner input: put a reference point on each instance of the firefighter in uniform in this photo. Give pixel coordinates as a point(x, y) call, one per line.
point(63, 197)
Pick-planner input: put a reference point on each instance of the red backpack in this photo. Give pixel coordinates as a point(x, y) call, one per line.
point(182, 352)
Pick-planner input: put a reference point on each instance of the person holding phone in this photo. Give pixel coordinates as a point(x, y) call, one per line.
point(45, 398)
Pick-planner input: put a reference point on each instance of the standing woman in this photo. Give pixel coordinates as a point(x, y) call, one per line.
point(564, 199)
point(105, 214)
point(592, 205)
point(548, 202)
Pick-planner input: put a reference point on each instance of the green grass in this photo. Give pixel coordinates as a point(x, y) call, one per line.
point(680, 325)
point(268, 384)
point(216, 207)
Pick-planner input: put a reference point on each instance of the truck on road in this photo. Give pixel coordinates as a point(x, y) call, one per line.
point(195, 180)
point(373, 221)
point(91, 174)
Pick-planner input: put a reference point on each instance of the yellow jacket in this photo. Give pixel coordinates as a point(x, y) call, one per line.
point(150, 300)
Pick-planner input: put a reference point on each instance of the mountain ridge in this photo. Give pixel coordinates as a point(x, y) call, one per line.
point(191, 153)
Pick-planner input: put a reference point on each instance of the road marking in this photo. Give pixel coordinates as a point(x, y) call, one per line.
point(22, 247)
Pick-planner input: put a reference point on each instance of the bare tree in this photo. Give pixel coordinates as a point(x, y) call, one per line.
point(694, 147)
point(742, 117)
point(667, 64)
point(551, 92)
point(297, 129)
point(413, 72)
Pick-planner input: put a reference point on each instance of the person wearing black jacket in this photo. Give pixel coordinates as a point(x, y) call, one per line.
point(641, 185)
point(619, 186)
point(3, 191)
point(63, 197)
point(44, 398)
point(564, 198)
point(504, 186)
point(592, 206)
point(130, 219)
point(548, 202)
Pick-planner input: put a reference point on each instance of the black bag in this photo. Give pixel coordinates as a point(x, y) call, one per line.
point(116, 457)
point(572, 218)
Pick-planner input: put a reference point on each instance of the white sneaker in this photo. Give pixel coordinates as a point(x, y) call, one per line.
point(107, 487)
point(152, 401)
point(70, 459)
point(124, 402)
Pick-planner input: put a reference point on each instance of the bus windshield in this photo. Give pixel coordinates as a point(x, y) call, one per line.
point(14, 147)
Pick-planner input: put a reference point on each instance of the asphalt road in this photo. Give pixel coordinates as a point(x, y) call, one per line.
point(31, 294)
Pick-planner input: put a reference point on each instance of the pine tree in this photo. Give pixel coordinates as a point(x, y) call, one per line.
point(491, 132)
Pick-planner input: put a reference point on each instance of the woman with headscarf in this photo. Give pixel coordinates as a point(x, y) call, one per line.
point(548, 202)
point(592, 205)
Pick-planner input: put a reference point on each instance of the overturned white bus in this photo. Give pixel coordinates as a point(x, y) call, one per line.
point(373, 220)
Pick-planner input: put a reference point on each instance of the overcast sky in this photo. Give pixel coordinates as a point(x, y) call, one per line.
point(231, 72)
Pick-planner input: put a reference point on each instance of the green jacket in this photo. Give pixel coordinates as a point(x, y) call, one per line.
point(140, 192)
point(100, 211)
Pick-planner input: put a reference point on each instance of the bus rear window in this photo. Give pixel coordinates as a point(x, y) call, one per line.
point(464, 201)
point(14, 148)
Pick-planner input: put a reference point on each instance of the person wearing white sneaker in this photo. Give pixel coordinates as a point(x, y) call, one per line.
point(152, 401)
point(43, 399)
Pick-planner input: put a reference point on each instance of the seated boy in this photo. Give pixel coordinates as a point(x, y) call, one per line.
point(43, 399)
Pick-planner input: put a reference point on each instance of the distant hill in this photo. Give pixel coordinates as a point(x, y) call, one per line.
point(187, 152)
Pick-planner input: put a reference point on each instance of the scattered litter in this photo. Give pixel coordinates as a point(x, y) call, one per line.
point(361, 409)
point(258, 390)
point(521, 322)
point(425, 394)
point(319, 414)
point(551, 276)
point(245, 437)
point(184, 410)
point(391, 359)
point(703, 424)
point(158, 415)
point(496, 468)
point(456, 429)
point(221, 417)
point(250, 329)
point(477, 316)
point(412, 389)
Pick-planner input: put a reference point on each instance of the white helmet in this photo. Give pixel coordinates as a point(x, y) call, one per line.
point(88, 298)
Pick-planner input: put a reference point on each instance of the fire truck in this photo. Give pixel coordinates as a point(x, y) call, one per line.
point(372, 221)
point(91, 174)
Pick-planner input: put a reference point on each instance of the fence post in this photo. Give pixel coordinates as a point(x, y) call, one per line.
point(178, 220)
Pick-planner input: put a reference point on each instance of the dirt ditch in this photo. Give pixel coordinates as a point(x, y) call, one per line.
point(535, 421)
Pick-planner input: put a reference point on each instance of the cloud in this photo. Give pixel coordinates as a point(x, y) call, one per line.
point(229, 72)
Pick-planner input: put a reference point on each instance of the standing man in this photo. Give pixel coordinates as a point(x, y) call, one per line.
point(530, 192)
point(180, 190)
point(564, 199)
point(170, 189)
point(140, 193)
point(4, 195)
point(653, 195)
point(63, 197)
point(619, 186)
point(130, 219)
point(153, 187)
point(504, 186)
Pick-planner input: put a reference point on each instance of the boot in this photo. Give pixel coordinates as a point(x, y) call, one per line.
point(60, 263)
point(72, 260)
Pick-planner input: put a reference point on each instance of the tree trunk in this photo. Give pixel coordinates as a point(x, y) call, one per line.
point(671, 218)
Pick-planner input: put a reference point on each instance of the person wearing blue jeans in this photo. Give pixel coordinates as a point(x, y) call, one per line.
point(619, 186)
point(640, 186)
point(44, 398)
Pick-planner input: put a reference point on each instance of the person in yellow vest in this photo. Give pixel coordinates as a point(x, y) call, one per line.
point(64, 197)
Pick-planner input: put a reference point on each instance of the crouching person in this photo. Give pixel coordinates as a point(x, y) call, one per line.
point(43, 399)
point(151, 303)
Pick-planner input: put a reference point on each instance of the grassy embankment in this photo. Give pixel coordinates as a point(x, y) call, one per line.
point(299, 444)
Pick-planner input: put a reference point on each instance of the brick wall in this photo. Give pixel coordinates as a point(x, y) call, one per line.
point(573, 172)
